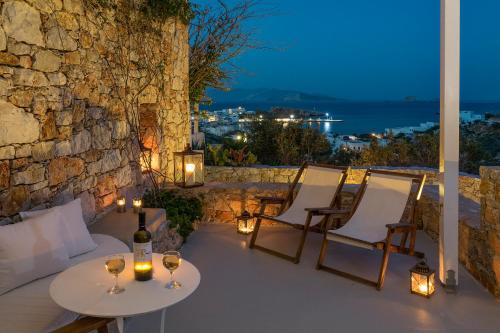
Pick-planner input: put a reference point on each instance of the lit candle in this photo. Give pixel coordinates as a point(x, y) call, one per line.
point(120, 205)
point(191, 171)
point(143, 266)
point(137, 204)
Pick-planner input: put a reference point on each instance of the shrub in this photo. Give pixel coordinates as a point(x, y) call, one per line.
point(277, 144)
point(181, 211)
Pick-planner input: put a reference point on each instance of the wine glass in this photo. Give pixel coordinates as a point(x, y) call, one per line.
point(171, 261)
point(115, 264)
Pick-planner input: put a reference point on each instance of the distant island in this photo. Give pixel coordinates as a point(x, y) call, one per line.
point(267, 95)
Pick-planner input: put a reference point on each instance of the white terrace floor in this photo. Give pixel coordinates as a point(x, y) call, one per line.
point(247, 291)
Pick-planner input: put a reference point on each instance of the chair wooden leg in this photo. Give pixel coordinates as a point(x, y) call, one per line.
point(303, 239)
point(413, 236)
point(255, 232)
point(103, 329)
point(385, 260)
point(322, 253)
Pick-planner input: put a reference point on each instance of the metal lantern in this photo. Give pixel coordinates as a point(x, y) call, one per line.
point(422, 280)
point(245, 223)
point(188, 168)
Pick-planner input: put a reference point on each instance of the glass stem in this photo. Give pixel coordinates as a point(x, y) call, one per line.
point(116, 282)
point(171, 276)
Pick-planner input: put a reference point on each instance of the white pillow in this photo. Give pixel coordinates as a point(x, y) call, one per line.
point(31, 250)
point(76, 236)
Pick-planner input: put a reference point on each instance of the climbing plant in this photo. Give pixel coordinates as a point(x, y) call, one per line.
point(135, 61)
point(157, 10)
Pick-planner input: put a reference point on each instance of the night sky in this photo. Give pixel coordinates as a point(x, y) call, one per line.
point(370, 50)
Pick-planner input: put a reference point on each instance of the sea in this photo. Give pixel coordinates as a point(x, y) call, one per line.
point(367, 117)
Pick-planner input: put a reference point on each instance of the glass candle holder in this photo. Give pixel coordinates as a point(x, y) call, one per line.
point(121, 205)
point(137, 204)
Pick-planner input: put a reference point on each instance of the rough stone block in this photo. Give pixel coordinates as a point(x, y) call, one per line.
point(29, 78)
point(35, 173)
point(15, 200)
point(47, 61)
point(63, 148)
point(11, 120)
point(7, 153)
point(101, 136)
point(43, 151)
point(63, 168)
point(59, 39)
point(4, 175)
point(22, 22)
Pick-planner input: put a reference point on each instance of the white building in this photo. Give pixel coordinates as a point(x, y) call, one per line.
point(467, 117)
point(409, 130)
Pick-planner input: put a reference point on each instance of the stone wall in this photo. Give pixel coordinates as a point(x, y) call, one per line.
point(490, 228)
point(468, 184)
point(63, 130)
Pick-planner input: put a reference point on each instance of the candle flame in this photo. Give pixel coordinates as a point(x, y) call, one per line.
point(190, 167)
point(143, 266)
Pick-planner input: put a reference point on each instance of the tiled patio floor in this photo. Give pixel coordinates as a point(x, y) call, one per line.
point(245, 291)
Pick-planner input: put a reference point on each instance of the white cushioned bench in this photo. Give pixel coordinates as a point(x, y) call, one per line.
point(30, 309)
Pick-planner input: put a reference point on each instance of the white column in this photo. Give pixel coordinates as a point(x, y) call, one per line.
point(449, 137)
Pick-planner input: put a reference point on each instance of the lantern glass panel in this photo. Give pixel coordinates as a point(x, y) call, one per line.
point(422, 284)
point(245, 226)
point(188, 168)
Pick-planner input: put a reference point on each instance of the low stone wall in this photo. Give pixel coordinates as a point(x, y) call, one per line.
point(223, 202)
point(468, 184)
point(490, 227)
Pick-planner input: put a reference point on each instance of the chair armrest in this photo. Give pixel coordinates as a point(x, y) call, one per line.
point(401, 227)
point(270, 200)
point(85, 325)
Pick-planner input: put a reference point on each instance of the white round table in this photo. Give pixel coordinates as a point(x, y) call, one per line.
point(83, 289)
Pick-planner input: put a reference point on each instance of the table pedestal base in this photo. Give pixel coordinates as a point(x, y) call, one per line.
point(119, 324)
point(120, 321)
point(162, 325)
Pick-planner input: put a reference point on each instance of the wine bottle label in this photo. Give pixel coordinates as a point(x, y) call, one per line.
point(143, 252)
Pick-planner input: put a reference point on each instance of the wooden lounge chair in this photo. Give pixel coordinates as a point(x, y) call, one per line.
point(321, 188)
point(375, 218)
point(86, 325)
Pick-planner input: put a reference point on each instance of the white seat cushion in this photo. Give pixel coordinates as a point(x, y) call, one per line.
point(29, 309)
point(76, 235)
point(31, 250)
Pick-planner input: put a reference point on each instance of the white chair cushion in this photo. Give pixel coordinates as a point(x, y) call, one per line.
point(76, 235)
point(31, 250)
point(383, 202)
point(29, 309)
point(317, 190)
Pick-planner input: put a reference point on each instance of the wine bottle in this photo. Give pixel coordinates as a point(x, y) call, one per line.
point(143, 251)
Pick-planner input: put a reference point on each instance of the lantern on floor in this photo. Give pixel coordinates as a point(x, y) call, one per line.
point(422, 280)
point(121, 204)
point(245, 223)
point(188, 168)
